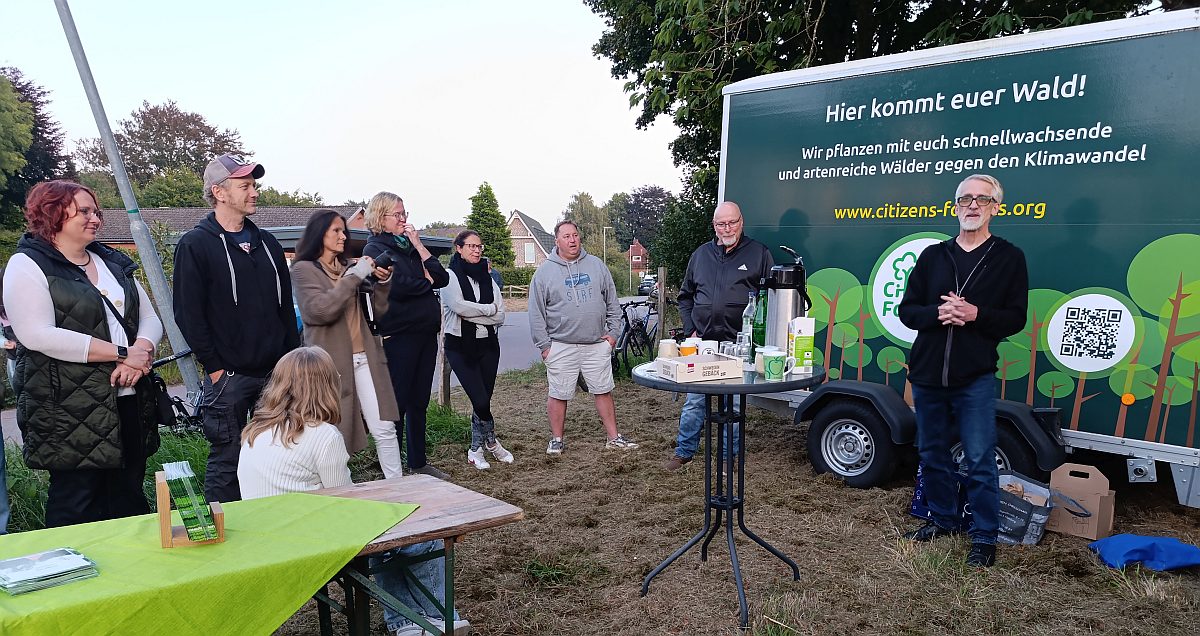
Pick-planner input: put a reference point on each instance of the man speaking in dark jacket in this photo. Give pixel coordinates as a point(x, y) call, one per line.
point(963, 297)
point(233, 303)
point(716, 287)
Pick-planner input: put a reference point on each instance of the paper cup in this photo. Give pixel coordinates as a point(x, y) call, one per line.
point(668, 348)
point(708, 347)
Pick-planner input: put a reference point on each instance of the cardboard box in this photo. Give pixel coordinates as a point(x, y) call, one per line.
point(699, 367)
point(1088, 486)
point(801, 337)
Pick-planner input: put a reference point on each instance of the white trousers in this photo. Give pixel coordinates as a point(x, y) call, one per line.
point(386, 444)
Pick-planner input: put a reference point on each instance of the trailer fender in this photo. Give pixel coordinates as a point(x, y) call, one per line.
point(1049, 452)
point(891, 407)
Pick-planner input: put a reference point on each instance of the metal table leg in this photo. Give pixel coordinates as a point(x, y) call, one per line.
point(719, 495)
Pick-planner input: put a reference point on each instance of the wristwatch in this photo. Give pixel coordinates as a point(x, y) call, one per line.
point(122, 352)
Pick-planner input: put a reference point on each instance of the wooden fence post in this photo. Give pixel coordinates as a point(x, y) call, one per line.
point(662, 304)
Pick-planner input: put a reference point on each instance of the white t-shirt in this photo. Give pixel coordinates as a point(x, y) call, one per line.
point(317, 460)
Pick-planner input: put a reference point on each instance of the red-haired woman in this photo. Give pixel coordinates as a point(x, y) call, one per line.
point(87, 332)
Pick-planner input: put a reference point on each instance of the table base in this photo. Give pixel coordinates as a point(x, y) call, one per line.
point(719, 497)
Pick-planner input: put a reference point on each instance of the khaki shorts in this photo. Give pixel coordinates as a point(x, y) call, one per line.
point(567, 361)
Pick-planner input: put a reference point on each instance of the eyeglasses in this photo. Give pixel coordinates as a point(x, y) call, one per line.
point(85, 212)
point(397, 215)
point(473, 246)
point(725, 225)
point(982, 199)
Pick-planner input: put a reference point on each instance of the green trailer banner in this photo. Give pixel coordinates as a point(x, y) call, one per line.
point(1095, 145)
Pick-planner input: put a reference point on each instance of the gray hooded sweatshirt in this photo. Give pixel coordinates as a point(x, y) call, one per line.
point(573, 302)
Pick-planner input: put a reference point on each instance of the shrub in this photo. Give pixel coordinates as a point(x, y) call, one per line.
point(516, 275)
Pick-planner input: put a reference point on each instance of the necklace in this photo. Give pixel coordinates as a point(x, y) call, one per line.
point(86, 263)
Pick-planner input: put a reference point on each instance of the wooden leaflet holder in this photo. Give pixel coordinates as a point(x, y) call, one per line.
point(176, 536)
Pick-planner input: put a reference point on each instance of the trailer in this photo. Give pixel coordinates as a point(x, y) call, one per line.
point(1094, 133)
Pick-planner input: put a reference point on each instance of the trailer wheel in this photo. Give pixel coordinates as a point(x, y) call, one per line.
point(849, 439)
point(1012, 453)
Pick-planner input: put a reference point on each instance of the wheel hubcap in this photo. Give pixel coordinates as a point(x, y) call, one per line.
point(847, 448)
point(958, 455)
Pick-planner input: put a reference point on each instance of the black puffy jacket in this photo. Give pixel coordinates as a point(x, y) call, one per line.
point(412, 305)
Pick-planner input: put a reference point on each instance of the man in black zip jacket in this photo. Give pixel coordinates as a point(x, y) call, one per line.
point(233, 303)
point(716, 287)
point(962, 298)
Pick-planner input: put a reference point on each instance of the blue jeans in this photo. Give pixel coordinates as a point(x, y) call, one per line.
point(691, 425)
point(967, 413)
point(431, 574)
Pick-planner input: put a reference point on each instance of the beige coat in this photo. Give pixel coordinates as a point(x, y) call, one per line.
point(323, 309)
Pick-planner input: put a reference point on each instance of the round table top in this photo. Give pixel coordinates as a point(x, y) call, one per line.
point(749, 383)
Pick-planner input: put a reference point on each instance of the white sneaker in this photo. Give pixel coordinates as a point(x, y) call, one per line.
point(621, 443)
point(411, 629)
point(555, 447)
point(462, 627)
point(500, 453)
point(476, 459)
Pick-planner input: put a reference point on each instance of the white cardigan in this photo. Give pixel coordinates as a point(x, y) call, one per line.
point(455, 307)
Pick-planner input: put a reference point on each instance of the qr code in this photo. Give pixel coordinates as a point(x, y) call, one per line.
point(1091, 333)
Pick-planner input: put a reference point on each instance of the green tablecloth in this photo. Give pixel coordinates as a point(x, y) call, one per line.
point(277, 552)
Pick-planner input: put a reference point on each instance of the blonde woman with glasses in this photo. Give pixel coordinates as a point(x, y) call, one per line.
point(413, 319)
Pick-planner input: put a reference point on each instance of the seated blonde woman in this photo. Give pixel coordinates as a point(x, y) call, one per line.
point(290, 445)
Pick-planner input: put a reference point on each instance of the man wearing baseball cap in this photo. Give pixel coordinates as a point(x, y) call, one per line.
point(233, 303)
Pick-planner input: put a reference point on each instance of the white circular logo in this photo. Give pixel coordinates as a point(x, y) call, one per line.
point(1090, 333)
point(888, 284)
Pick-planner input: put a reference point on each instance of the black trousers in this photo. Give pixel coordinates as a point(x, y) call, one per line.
point(411, 358)
point(96, 494)
point(227, 407)
point(475, 363)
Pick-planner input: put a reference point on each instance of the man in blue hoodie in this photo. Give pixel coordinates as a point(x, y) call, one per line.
point(233, 303)
point(574, 318)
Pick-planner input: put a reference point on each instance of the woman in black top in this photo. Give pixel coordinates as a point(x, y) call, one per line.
point(413, 319)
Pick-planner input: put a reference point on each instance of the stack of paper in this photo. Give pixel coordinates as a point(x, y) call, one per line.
point(189, 501)
point(44, 569)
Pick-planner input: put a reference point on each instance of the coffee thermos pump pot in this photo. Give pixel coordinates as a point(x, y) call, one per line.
point(787, 298)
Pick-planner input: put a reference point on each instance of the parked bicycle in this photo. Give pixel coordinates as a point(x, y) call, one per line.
point(638, 332)
point(187, 412)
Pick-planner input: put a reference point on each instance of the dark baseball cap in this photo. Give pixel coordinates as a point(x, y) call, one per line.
point(228, 165)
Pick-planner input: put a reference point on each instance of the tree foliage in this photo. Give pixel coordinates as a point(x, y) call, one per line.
point(45, 159)
point(486, 219)
point(647, 208)
point(591, 220)
point(677, 55)
point(175, 188)
point(685, 226)
point(16, 132)
point(617, 211)
point(269, 196)
point(157, 138)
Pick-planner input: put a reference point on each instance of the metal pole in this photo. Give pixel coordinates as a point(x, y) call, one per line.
point(141, 234)
point(662, 302)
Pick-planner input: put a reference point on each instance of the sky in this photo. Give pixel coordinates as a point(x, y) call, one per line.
point(347, 98)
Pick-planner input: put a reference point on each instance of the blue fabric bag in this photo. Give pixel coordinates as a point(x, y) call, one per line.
point(1156, 553)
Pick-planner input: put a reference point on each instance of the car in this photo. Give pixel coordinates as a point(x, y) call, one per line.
point(648, 286)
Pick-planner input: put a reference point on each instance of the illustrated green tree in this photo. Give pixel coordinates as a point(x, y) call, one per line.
point(1013, 364)
point(16, 132)
point(1055, 384)
point(157, 138)
point(1131, 381)
point(867, 330)
point(486, 219)
point(845, 336)
point(837, 297)
point(860, 352)
point(176, 188)
point(1187, 365)
point(891, 359)
point(1156, 280)
point(46, 157)
point(1033, 337)
point(1177, 392)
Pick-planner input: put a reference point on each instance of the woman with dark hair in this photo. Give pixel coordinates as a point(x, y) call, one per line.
point(413, 319)
point(472, 309)
point(334, 303)
point(87, 332)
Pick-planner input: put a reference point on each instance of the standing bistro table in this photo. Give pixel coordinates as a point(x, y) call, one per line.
point(719, 493)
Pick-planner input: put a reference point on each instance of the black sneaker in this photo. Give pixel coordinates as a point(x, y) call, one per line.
point(982, 555)
point(929, 532)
